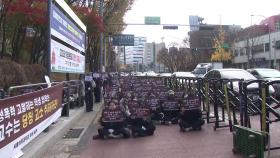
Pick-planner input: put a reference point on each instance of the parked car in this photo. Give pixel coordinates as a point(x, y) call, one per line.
point(231, 74)
point(253, 89)
point(202, 68)
point(268, 75)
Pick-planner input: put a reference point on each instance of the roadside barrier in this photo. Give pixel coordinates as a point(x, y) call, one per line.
point(269, 105)
point(71, 93)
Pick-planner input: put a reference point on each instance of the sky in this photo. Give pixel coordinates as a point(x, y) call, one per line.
point(225, 12)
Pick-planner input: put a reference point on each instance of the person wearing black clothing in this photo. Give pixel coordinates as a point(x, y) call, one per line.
point(113, 130)
point(191, 119)
point(190, 116)
point(89, 86)
point(141, 127)
point(113, 123)
point(140, 120)
point(97, 89)
point(156, 113)
point(170, 108)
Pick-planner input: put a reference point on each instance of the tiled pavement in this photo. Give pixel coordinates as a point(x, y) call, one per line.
point(168, 142)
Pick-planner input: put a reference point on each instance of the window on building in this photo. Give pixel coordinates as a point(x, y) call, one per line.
point(245, 51)
point(257, 48)
point(277, 44)
point(267, 47)
point(236, 52)
point(277, 25)
point(242, 51)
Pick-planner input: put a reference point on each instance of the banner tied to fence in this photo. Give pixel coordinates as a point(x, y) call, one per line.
point(24, 117)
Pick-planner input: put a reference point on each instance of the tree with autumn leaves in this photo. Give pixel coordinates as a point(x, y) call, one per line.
point(16, 18)
point(222, 52)
point(23, 28)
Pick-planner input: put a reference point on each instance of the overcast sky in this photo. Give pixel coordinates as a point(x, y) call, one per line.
point(225, 12)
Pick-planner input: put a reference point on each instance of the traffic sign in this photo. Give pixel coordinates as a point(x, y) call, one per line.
point(174, 27)
point(152, 20)
point(123, 40)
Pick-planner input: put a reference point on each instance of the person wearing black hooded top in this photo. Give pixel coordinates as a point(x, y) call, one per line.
point(140, 120)
point(190, 117)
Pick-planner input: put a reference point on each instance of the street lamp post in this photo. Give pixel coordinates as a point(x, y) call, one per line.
point(269, 39)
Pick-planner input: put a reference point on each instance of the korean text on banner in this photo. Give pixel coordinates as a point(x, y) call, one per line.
point(24, 117)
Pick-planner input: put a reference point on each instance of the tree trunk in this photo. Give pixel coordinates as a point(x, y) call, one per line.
point(14, 41)
point(3, 51)
point(34, 48)
point(19, 42)
point(96, 54)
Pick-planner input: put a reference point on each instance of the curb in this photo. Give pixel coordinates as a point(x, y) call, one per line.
point(87, 133)
point(39, 145)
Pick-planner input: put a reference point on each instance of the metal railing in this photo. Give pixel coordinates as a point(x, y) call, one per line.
point(71, 93)
point(225, 98)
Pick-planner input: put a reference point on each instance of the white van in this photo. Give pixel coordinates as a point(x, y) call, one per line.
point(202, 68)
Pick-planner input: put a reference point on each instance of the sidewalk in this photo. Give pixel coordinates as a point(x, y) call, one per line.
point(51, 144)
point(167, 142)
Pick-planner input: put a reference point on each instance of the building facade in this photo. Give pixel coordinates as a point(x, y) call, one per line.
point(258, 46)
point(194, 22)
point(133, 54)
point(150, 56)
point(258, 52)
point(202, 40)
point(148, 53)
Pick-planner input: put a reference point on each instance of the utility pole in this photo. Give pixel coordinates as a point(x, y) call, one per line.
point(274, 62)
point(124, 57)
point(101, 36)
point(105, 53)
point(154, 56)
point(49, 39)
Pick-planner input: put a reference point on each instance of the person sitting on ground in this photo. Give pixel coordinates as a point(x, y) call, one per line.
point(190, 117)
point(140, 122)
point(156, 113)
point(113, 122)
point(170, 109)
